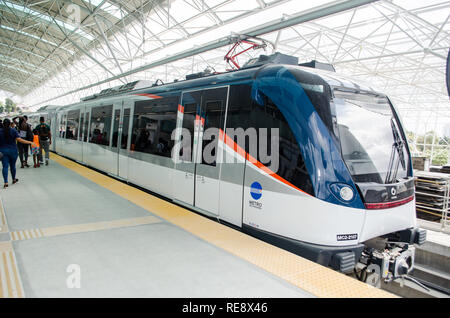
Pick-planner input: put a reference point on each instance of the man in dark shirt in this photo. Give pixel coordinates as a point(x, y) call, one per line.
point(45, 138)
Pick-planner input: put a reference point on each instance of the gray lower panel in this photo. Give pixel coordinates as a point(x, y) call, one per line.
point(317, 253)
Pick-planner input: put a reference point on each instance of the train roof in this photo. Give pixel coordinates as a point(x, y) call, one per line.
point(342, 81)
point(143, 87)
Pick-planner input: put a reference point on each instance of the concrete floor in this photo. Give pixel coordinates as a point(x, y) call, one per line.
point(149, 260)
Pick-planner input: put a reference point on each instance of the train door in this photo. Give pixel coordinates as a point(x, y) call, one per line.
point(72, 147)
point(116, 126)
point(86, 134)
point(56, 135)
point(120, 133)
point(207, 170)
point(61, 132)
point(197, 176)
point(125, 139)
point(235, 147)
point(53, 128)
point(184, 174)
point(81, 132)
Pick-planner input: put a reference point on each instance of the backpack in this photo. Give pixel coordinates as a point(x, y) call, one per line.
point(43, 131)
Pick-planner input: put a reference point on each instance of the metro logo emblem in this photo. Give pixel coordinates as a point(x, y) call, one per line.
point(256, 191)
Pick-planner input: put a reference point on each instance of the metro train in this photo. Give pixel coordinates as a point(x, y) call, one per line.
point(343, 193)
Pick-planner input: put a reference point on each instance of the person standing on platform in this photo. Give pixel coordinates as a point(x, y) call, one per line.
point(36, 150)
point(8, 147)
point(45, 139)
point(25, 133)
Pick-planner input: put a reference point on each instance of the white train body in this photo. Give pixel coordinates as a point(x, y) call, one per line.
point(320, 204)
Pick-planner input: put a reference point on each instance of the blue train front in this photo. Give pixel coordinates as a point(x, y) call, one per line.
point(344, 190)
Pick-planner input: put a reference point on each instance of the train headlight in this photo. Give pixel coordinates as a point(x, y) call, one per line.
point(346, 194)
point(343, 192)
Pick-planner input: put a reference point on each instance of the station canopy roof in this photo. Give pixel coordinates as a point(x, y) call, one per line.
point(57, 51)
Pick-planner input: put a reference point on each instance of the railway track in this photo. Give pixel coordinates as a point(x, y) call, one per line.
point(432, 271)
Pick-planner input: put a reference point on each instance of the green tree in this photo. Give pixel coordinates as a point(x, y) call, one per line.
point(2, 107)
point(440, 157)
point(10, 106)
point(429, 138)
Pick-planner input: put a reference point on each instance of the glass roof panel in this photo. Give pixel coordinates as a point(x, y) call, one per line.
point(47, 18)
point(397, 45)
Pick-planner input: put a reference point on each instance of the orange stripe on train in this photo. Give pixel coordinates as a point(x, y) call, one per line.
point(149, 96)
point(230, 143)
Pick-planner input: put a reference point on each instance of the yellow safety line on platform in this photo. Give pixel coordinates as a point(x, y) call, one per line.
point(306, 275)
point(80, 228)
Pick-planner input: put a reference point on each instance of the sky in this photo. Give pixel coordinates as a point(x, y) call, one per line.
point(4, 95)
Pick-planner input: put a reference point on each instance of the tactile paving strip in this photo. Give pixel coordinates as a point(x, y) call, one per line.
point(80, 228)
point(26, 234)
point(309, 276)
point(10, 283)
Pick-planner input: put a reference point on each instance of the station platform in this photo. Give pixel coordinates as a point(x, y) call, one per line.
point(65, 219)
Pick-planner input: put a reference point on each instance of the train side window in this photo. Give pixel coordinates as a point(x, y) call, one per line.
point(73, 118)
point(62, 126)
point(153, 124)
point(101, 118)
point(291, 163)
point(80, 135)
point(238, 113)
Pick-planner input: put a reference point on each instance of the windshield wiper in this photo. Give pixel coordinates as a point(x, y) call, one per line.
point(397, 146)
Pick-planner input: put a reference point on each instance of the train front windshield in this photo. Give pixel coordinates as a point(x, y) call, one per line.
point(372, 145)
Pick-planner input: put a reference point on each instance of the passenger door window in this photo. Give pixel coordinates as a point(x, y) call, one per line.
point(214, 113)
point(125, 128)
point(190, 111)
point(62, 126)
point(73, 118)
point(101, 119)
point(115, 135)
point(80, 136)
point(153, 124)
point(86, 128)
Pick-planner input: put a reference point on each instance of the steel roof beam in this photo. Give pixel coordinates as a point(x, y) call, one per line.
point(309, 15)
point(12, 47)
